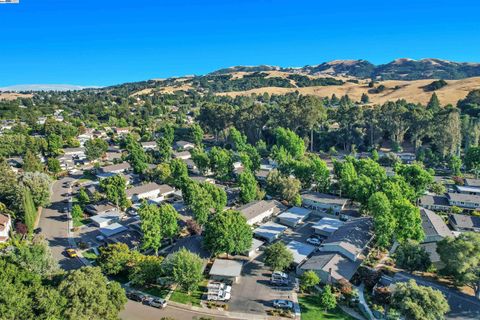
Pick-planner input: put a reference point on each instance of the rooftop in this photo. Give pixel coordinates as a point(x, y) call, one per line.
point(300, 251)
point(269, 230)
point(148, 187)
point(253, 209)
point(461, 197)
point(339, 266)
point(434, 200)
point(112, 229)
point(328, 224)
point(116, 167)
point(464, 221)
point(433, 224)
point(468, 189)
point(472, 182)
point(294, 214)
point(324, 198)
point(226, 268)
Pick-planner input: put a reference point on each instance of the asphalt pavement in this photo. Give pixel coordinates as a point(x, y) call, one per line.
point(53, 226)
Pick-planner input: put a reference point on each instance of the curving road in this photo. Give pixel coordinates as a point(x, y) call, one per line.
point(54, 226)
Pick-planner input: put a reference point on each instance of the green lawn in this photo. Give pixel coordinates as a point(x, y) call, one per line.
point(160, 292)
point(80, 221)
point(90, 255)
point(191, 299)
point(312, 311)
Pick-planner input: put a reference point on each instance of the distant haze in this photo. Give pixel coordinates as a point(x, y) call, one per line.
point(45, 87)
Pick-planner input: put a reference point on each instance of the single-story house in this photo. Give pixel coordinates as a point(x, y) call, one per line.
point(112, 229)
point(300, 251)
point(472, 182)
point(191, 166)
point(434, 202)
point(293, 216)
point(269, 231)
point(5, 226)
point(262, 174)
point(468, 190)
point(434, 227)
point(100, 208)
point(184, 155)
point(258, 211)
point(103, 220)
point(351, 238)
point(330, 266)
point(122, 131)
point(464, 223)
point(466, 201)
point(185, 145)
point(323, 202)
point(150, 190)
point(255, 248)
point(226, 270)
point(113, 169)
point(327, 226)
point(149, 145)
point(75, 152)
point(203, 179)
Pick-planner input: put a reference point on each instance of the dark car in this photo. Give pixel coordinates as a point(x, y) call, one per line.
point(135, 296)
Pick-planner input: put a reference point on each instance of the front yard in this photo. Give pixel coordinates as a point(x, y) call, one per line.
point(193, 298)
point(311, 310)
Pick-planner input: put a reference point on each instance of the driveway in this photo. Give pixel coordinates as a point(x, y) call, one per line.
point(54, 226)
point(137, 311)
point(253, 293)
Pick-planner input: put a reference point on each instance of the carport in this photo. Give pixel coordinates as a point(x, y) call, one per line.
point(226, 270)
point(269, 231)
point(293, 216)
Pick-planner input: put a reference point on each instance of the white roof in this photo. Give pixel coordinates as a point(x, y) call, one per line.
point(256, 244)
point(112, 229)
point(269, 230)
point(328, 224)
point(468, 189)
point(101, 218)
point(294, 214)
point(300, 251)
point(226, 268)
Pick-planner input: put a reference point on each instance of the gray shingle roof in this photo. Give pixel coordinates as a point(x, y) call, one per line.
point(324, 198)
point(353, 236)
point(433, 224)
point(464, 221)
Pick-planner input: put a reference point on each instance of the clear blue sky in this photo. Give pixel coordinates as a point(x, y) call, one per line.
point(103, 42)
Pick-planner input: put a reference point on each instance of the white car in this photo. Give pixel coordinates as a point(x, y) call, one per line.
point(157, 303)
point(314, 241)
point(283, 304)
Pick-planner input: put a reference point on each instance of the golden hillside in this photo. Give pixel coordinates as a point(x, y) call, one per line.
point(411, 91)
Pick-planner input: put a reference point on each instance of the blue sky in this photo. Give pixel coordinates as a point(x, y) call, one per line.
point(103, 42)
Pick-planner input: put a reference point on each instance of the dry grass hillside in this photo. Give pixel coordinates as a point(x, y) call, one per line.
point(411, 91)
point(13, 95)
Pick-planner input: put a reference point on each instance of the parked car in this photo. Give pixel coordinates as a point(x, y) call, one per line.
point(279, 279)
point(283, 304)
point(157, 303)
point(218, 291)
point(135, 296)
point(314, 241)
point(71, 253)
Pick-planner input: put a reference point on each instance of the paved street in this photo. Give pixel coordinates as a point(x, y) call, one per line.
point(137, 311)
point(54, 226)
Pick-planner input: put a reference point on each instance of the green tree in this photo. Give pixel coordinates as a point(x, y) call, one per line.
point(419, 302)
point(472, 158)
point(95, 148)
point(77, 212)
point(438, 188)
point(29, 210)
point(31, 163)
point(228, 232)
point(248, 186)
point(136, 155)
point(419, 178)
point(455, 164)
point(196, 134)
point(221, 163)
point(35, 257)
point(53, 165)
point(54, 144)
point(308, 280)
point(409, 221)
point(164, 147)
point(168, 221)
point(90, 295)
point(292, 143)
point(116, 259)
point(328, 301)
point(412, 257)
point(365, 98)
point(179, 171)
point(185, 268)
point(278, 257)
point(39, 186)
point(114, 188)
point(461, 259)
point(147, 270)
point(151, 226)
point(83, 197)
point(163, 172)
point(201, 160)
point(384, 221)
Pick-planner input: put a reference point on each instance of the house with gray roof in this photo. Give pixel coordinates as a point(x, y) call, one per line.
point(113, 169)
point(100, 208)
point(293, 216)
point(226, 270)
point(468, 190)
point(269, 231)
point(257, 211)
point(300, 251)
point(464, 223)
point(466, 201)
point(149, 191)
point(472, 182)
point(435, 229)
point(327, 226)
point(341, 253)
point(149, 145)
point(435, 202)
point(323, 202)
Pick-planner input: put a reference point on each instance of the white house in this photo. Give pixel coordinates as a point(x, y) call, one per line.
point(185, 145)
point(5, 226)
point(258, 211)
point(149, 145)
point(323, 202)
point(149, 191)
point(184, 155)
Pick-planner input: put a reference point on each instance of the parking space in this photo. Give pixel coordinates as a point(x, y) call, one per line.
point(253, 293)
point(301, 233)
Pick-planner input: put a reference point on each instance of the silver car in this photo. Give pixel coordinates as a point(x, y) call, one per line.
point(283, 304)
point(158, 303)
